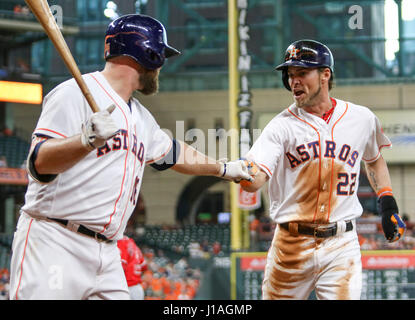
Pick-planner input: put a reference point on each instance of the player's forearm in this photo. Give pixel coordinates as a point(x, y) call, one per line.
point(378, 175)
point(57, 155)
point(257, 184)
point(193, 162)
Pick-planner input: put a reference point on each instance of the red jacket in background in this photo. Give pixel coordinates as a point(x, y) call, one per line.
point(132, 260)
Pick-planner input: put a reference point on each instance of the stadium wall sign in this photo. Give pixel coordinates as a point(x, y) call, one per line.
point(399, 126)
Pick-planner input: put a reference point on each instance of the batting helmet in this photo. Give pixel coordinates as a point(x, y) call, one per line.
point(306, 54)
point(140, 37)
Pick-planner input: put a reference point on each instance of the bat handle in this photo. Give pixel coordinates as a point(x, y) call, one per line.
point(88, 96)
point(92, 103)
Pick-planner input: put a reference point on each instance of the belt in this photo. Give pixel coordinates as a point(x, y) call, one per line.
point(318, 231)
point(83, 230)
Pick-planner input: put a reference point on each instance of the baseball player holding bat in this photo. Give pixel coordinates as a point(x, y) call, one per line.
point(86, 170)
point(310, 154)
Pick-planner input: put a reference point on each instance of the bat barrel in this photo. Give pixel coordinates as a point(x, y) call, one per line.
point(41, 10)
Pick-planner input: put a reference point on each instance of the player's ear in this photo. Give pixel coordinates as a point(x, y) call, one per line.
point(325, 75)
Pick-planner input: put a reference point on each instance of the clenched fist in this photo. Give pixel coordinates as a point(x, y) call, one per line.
point(236, 170)
point(98, 129)
point(392, 224)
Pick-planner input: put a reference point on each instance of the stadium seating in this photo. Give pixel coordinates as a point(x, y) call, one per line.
point(15, 150)
point(4, 258)
point(6, 240)
point(5, 250)
point(178, 239)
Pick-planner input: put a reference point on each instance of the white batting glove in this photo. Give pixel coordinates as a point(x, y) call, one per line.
point(98, 129)
point(235, 171)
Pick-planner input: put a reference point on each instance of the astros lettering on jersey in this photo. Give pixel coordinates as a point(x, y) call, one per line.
point(140, 141)
point(314, 165)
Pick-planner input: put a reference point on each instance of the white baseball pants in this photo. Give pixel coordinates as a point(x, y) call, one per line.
point(136, 292)
point(50, 262)
point(297, 265)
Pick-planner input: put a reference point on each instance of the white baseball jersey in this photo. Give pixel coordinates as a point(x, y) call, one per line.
point(313, 165)
point(100, 191)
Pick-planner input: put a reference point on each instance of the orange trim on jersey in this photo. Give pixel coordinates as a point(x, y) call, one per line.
point(332, 163)
point(265, 167)
point(129, 195)
point(162, 156)
point(21, 263)
point(327, 116)
point(382, 146)
point(319, 158)
point(60, 134)
point(387, 191)
point(126, 156)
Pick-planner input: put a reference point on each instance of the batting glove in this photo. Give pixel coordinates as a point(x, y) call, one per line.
point(392, 224)
point(235, 171)
point(253, 168)
point(98, 129)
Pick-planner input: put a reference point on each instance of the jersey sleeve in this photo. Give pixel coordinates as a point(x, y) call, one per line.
point(62, 115)
point(159, 143)
point(377, 140)
point(64, 110)
point(266, 150)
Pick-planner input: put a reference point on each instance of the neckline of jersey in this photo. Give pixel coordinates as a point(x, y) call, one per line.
point(114, 94)
point(327, 115)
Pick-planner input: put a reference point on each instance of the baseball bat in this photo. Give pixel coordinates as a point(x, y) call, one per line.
point(41, 10)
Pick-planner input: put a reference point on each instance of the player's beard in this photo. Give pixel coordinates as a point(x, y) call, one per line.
point(149, 81)
point(309, 101)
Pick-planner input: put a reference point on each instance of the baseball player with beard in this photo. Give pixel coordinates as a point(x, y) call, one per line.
point(310, 154)
point(86, 171)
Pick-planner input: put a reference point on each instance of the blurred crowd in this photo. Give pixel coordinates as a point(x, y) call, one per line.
point(261, 228)
point(262, 231)
point(202, 245)
point(373, 239)
point(204, 249)
point(175, 279)
point(4, 284)
point(21, 11)
point(166, 279)
point(377, 242)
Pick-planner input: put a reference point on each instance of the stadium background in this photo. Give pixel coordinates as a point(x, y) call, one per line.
point(183, 223)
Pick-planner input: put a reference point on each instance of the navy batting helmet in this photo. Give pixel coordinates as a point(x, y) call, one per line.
point(140, 37)
point(306, 54)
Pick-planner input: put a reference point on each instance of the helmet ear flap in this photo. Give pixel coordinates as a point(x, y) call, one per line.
point(285, 79)
point(153, 56)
